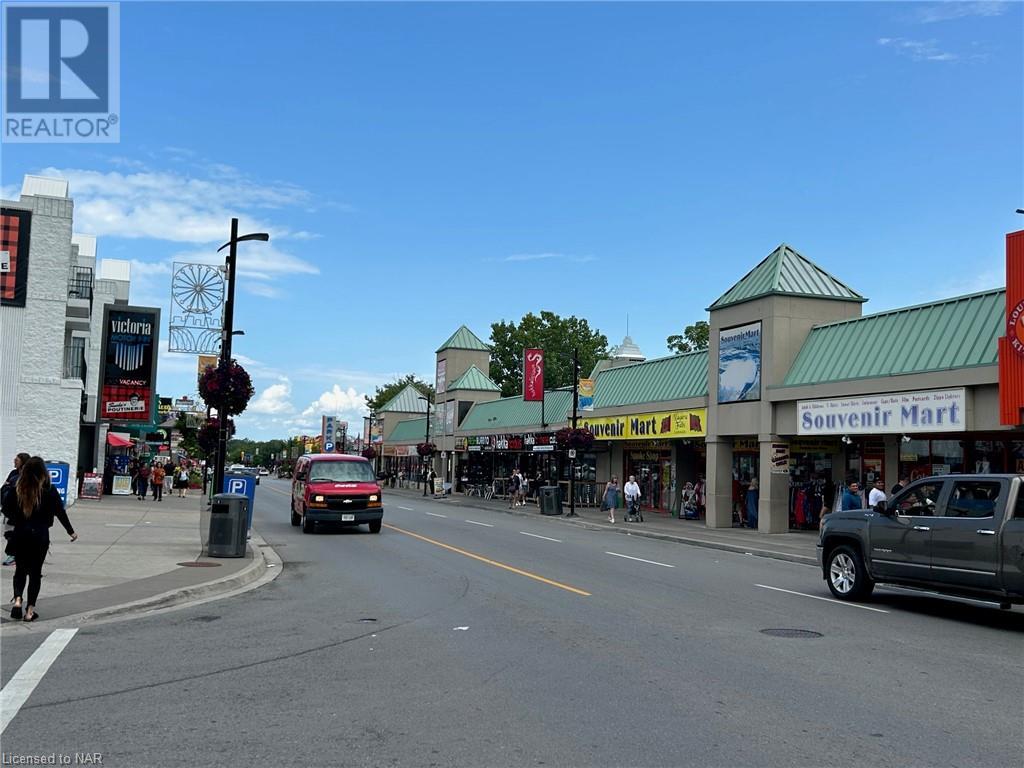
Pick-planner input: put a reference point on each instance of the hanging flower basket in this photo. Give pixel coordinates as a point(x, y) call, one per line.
point(228, 388)
point(206, 435)
point(581, 439)
point(426, 449)
point(369, 453)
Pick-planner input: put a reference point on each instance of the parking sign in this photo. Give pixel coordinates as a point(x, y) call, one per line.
point(245, 485)
point(59, 471)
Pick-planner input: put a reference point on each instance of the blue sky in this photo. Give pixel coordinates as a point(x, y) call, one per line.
point(420, 166)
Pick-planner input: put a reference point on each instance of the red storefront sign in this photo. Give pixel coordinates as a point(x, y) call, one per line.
point(533, 375)
point(1011, 346)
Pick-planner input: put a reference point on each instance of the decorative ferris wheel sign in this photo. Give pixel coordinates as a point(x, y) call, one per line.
point(197, 308)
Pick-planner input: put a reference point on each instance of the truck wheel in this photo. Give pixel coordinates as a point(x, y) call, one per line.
point(307, 525)
point(296, 518)
point(375, 526)
point(847, 577)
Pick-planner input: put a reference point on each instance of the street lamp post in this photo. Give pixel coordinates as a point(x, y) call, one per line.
point(575, 407)
point(426, 441)
point(231, 264)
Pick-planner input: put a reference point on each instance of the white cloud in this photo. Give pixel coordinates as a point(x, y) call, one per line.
point(918, 50)
point(928, 14)
point(259, 261)
point(172, 206)
point(275, 399)
point(261, 289)
point(548, 256)
point(349, 404)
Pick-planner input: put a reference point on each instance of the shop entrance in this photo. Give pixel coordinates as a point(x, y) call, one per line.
point(653, 472)
point(745, 493)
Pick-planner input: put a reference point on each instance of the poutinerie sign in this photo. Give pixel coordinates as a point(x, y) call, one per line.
point(936, 410)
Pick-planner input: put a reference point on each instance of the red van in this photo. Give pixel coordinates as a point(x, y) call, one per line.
point(335, 488)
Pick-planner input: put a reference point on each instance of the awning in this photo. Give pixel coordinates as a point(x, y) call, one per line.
point(118, 442)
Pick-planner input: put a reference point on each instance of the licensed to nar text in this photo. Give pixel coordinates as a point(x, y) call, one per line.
point(54, 758)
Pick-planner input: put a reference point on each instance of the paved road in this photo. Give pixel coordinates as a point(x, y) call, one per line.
point(466, 637)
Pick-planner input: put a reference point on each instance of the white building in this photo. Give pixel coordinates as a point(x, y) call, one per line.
point(50, 330)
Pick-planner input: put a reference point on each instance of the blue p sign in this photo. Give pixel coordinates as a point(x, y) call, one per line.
point(61, 73)
point(236, 485)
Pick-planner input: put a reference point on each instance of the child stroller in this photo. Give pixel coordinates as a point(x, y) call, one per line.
point(633, 512)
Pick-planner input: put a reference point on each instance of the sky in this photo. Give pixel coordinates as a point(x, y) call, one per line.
point(423, 166)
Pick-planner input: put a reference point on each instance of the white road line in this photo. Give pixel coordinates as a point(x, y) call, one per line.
point(546, 538)
point(640, 559)
point(407, 509)
point(434, 514)
point(485, 525)
point(818, 597)
point(25, 680)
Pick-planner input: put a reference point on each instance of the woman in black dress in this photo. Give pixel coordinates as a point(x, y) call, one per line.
point(31, 509)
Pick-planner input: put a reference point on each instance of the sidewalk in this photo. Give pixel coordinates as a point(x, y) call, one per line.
point(133, 556)
point(794, 546)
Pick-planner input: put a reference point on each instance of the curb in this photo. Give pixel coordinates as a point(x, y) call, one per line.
point(266, 566)
point(648, 534)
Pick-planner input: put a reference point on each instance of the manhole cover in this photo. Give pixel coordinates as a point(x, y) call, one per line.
point(199, 564)
point(803, 633)
point(367, 621)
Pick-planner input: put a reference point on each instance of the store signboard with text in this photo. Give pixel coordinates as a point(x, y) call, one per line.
point(739, 363)
point(129, 357)
point(666, 424)
point(938, 410)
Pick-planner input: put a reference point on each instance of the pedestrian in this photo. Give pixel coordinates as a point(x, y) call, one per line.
point(133, 470)
point(851, 497)
point(181, 480)
point(903, 483)
point(753, 499)
point(158, 481)
point(168, 476)
point(632, 493)
point(610, 499)
point(877, 493)
point(515, 484)
point(688, 501)
point(7, 488)
point(143, 482)
point(32, 508)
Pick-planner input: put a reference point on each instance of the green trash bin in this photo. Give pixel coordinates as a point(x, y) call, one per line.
point(550, 500)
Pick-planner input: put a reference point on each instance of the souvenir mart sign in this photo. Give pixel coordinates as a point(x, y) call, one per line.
point(666, 424)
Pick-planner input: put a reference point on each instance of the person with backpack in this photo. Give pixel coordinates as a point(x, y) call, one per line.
point(31, 508)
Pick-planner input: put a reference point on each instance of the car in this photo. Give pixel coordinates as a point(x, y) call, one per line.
point(335, 488)
point(954, 534)
point(264, 472)
point(241, 469)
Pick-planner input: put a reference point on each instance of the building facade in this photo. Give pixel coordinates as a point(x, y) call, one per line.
point(798, 395)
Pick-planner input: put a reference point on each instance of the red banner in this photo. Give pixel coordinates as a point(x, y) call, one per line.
point(533, 374)
point(1011, 346)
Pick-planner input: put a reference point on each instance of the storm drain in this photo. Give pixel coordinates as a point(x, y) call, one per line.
point(798, 633)
point(199, 564)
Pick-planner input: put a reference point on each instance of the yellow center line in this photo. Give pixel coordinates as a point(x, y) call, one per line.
point(495, 563)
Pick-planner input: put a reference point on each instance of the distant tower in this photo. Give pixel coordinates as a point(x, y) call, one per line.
point(627, 353)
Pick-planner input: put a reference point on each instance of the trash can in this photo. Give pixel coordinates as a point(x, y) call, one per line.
point(229, 514)
point(550, 500)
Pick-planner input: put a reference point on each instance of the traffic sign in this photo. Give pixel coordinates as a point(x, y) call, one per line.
point(328, 447)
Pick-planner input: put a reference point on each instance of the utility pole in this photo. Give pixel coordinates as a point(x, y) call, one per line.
point(575, 406)
point(426, 441)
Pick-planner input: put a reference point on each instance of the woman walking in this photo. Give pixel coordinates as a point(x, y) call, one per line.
point(181, 480)
point(611, 497)
point(32, 508)
point(158, 481)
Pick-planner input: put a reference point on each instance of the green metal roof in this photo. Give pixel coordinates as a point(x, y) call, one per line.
point(406, 401)
point(464, 339)
point(474, 379)
point(784, 271)
point(514, 413)
point(667, 378)
point(956, 333)
point(408, 431)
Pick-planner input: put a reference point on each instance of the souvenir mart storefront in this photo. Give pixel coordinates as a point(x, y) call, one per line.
point(663, 450)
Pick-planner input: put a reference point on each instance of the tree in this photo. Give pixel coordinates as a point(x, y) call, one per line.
point(188, 442)
point(556, 336)
point(695, 337)
point(383, 394)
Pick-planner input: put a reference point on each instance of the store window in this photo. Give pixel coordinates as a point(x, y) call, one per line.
point(947, 457)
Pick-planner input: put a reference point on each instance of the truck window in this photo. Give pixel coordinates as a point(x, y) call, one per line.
point(919, 501)
point(1018, 510)
point(973, 498)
